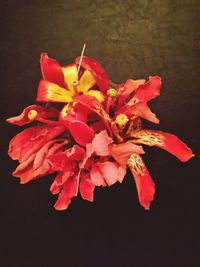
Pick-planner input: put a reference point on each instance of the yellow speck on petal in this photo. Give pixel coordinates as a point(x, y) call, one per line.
point(97, 94)
point(32, 114)
point(112, 92)
point(136, 164)
point(121, 120)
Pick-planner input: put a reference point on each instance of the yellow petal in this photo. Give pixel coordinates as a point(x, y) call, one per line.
point(58, 94)
point(97, 94)
point(86, 81)
point(70, 74)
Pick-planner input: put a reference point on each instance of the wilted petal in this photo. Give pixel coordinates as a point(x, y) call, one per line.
point(166, 141)
point(51, 70)
point(97, 71)
point(51, 92)
point(81, 132)
point(144, 183)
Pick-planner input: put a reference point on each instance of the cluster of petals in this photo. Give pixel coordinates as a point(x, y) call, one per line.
point(89, 132)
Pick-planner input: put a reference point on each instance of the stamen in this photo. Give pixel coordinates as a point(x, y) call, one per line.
point(32, 114)
point(112, 92)
point(121, 120)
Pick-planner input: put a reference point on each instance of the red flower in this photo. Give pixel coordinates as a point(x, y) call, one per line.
point(126, 106)
point(66, 183)
point(61, 84)
point(94, 133)
point(32, 147)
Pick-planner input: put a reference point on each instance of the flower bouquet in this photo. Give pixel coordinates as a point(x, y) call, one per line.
point(89, 131)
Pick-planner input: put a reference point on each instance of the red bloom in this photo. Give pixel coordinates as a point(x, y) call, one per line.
point(61, 84)
point(67, 181)
point(32, 147)
point(93, 134)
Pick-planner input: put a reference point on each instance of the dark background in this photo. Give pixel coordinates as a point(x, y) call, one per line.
point(131, 39)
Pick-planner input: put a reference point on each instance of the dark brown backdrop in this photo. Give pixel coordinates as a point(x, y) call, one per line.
point(131, 39)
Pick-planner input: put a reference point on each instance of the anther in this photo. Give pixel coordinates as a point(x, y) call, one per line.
point(32, 114)
point(121, 120)
point(112, 92)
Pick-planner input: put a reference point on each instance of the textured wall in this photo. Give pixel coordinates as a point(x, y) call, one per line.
point(131, 39)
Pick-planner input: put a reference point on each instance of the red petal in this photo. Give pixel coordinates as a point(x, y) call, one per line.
point(58, 182)
point(51, 70)
point(25, 170)
point(96, 176)
point(81, 132)
point(23, 119)
point(77, 153)
point(61, 162)
point(143, 111)
point(166, 141)
point(100, 143)
point(110, 172)
point(94, 105)
point(42, 112)
point(98, 126)
point(97, 71)
point(144, 183)
point(67, 193)
point(70, 113)
point(122, 152)
point(41, 154)
point(24, 144)
point(149, 90)
point(86, 188)
point(36, 165)
point(129, 87)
